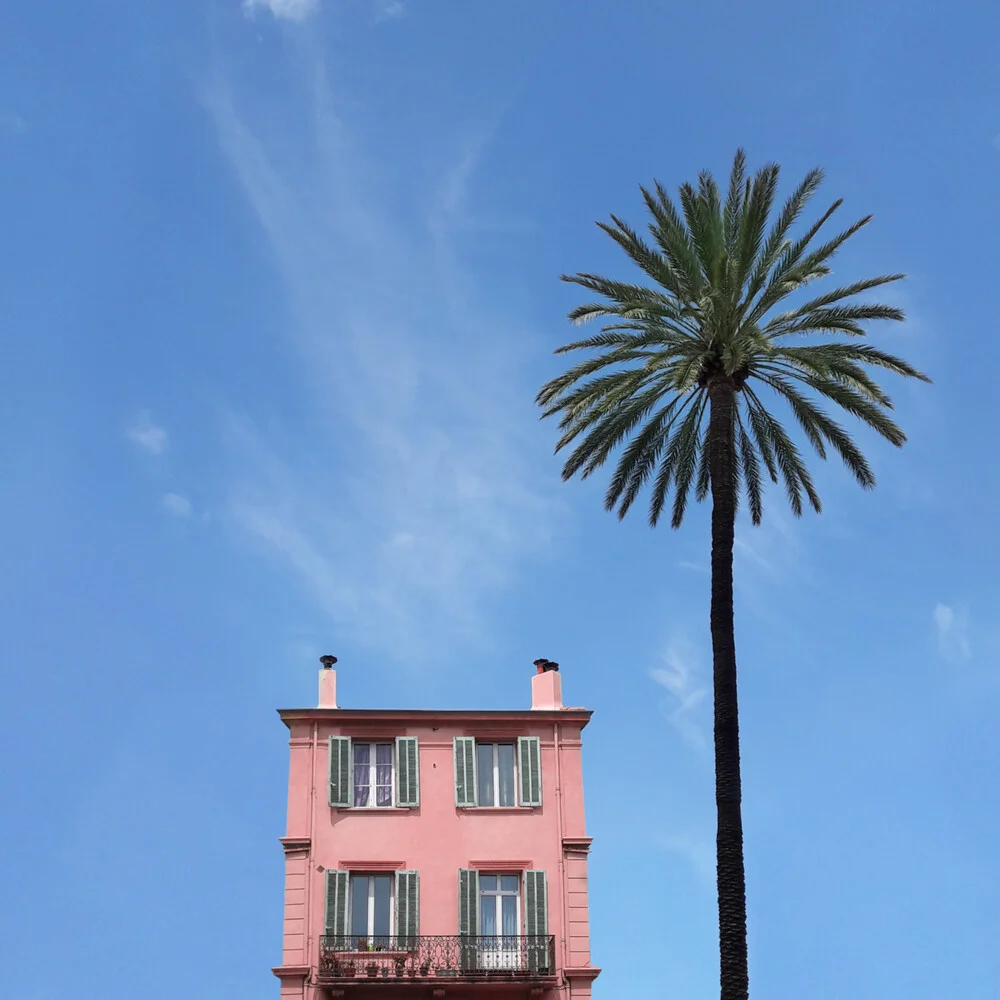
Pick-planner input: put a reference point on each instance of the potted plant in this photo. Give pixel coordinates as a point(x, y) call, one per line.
point(372, 968)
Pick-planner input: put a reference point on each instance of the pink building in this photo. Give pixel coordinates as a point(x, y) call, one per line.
point(436, 854)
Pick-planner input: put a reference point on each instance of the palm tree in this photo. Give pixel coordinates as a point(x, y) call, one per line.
point(679, 383)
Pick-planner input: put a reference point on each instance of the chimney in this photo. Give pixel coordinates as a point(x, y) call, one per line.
point(327, 683)
point(546, 685)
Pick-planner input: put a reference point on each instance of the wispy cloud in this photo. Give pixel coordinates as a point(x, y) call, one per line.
point(388, 10)
point(147, 435)
point(287, 10)
point(177, 505)
point(12, 123)
point(418, 494)
point(952, 626)
point(698, 850)
point(683, 677)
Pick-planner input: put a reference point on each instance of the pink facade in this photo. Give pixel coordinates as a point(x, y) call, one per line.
point(436, 853)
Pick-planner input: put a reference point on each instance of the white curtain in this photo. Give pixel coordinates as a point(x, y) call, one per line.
point(362, 773)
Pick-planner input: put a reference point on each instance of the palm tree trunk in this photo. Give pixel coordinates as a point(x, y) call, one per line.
point(729, 837)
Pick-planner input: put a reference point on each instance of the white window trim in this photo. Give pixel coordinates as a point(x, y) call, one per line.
point(373, 772)
point(371, 876)
point(498, 894)
point(496, 744)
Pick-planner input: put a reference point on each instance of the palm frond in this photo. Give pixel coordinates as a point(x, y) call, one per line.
point(793, 471)
point(554, 397)
point(847, 372)
point(832, 319)
point(674, 240)
point(607, 433)
point(655, 265)
point(858, 406)
point(755, 216)
point(817, 426)
point(709, 305)
point(776, 240)
point(640, 457)
point(732, 215)
point(750, 465)
point(687, 445)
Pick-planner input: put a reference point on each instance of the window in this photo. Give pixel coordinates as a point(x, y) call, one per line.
point(490, 921)
point(371, 911)
point(372, 774)
point(499, 906)
point(498, 774)
point(364, 912)
point(495, 773)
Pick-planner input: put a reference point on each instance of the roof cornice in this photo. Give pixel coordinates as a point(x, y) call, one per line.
point(428, 715)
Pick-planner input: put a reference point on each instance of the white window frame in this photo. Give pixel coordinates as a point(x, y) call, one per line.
point(370, 933)
point(373, 772)
point(496, 744)
point(498, 895)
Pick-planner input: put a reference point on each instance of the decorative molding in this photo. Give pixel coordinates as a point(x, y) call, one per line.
point(390, 718)
point(501, 866)
point(372, 866)
point(590, 972)
point(291, 971)
point(577, 845)
point(372, 731)
point(509, 731)
point(295, 845)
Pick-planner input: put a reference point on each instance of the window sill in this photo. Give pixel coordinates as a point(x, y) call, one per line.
point(376, 810)
point(497, 809)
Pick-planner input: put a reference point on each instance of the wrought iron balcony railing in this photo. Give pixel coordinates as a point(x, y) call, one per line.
point(436, 957)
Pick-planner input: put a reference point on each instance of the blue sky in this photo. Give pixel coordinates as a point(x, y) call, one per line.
point(279, 286)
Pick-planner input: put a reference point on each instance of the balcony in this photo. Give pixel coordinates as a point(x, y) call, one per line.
point(436, 960)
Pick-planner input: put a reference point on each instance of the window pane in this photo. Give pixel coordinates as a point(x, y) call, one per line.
point(488, 916)
point(505, 752)
point(383, 774)
point(383, 885)
point(487, 883)
point(509, 916)
point(484, 762)
point(362, 773)
point(359, 904)
point(508, 883)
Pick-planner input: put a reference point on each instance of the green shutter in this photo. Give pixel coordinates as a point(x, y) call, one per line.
point(335, 920)
point(407, 772)
point(529, 756)
point(468, 918)
point(340, 771)
point(465, 771)
point(407, 910)
point(536, 924)
point(468, 901)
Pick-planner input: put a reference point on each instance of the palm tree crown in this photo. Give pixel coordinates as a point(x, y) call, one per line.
point(712, 313)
